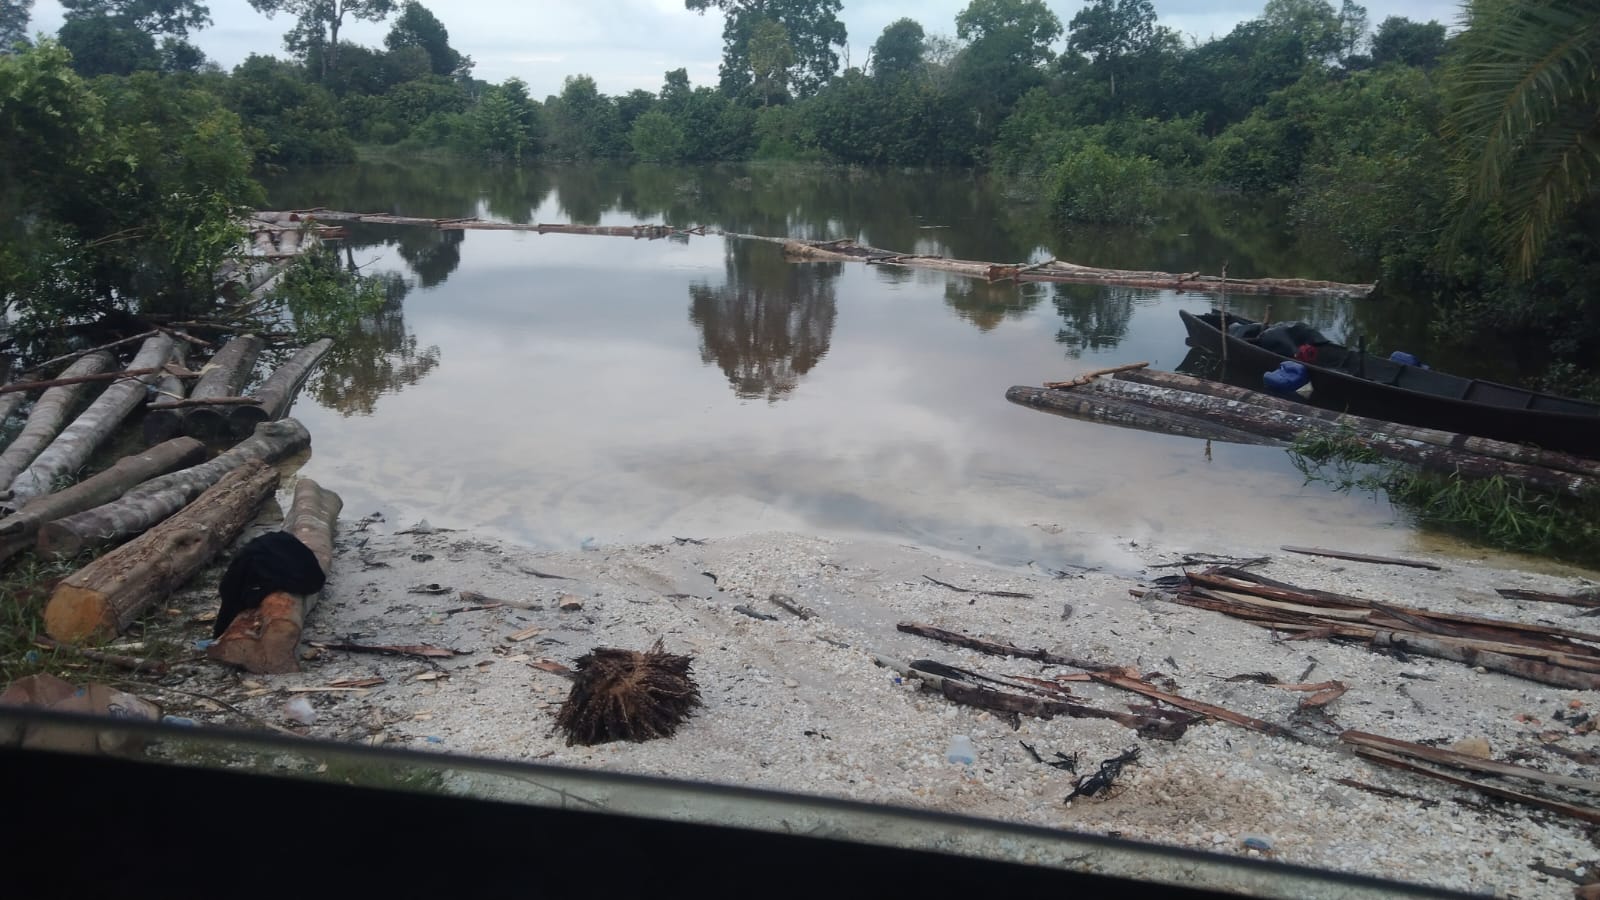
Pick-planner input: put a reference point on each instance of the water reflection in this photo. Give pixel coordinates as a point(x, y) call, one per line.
point(771, 321)
point(379, 356)
point(1096, 318)
point(431, 253)
point(986, 304)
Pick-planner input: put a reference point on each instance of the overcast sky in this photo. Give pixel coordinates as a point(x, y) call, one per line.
point(627, 44)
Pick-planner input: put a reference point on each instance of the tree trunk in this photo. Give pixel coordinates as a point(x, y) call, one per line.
point(155, 500)
point(1534, 456)
point(224, 376)
point(72, 448)
point(48, 415)
point(1386, 441)
point(11, 400)
point(21, 531)
point(266, 640)
point(105, 597)
point(278, 391)
point(164, 424)
point(1103, 408)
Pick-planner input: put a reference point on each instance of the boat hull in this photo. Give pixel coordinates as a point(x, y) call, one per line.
point(1423, 398)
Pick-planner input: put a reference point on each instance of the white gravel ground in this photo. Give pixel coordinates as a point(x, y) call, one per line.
point(800, 706)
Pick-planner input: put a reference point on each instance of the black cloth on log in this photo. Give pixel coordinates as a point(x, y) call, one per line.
point(275, 561)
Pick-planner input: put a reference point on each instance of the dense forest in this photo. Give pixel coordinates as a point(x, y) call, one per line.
point(1461, 161)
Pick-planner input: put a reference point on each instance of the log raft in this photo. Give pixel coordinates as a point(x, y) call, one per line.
point(223, 376)
point(1058, 271)
point(277, 393)
point(266, 640)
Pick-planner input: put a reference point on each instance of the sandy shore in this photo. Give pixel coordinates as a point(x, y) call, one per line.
point(799, 705)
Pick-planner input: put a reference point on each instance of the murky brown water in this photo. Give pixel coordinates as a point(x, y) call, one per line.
point(564, 390)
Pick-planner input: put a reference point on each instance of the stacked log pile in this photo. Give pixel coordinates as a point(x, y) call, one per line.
point(170, 507)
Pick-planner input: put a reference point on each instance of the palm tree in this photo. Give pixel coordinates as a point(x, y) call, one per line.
point(1524, 116)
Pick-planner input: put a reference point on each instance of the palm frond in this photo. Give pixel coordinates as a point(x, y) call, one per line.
point(1524, 115)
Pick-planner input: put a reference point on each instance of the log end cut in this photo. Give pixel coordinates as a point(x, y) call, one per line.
point(77, 614)
point(264, 640)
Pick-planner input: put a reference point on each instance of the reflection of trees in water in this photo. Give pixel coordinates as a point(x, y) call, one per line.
point(769, 324)
point(987, 305)
point(379, 356)
point(431, 253)
point(1095, 317)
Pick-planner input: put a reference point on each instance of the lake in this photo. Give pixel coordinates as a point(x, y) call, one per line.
point(567, 391)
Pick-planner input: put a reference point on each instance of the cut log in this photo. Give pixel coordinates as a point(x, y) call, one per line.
point(1095, 407)
point(1550, 459)
point(155, 500)
point(48, 415)
point(266, 640)
point(13, 399)
point(103, 598)
point(21, 531)
point(161, 423)
point(72, 448)
point(278, 391)
point(1288, 426)
point(224, 376)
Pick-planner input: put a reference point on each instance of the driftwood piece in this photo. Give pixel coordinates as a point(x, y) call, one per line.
point(1363, 557)
point(223, 376)
point(1589, 599)
point(278, 391)
point(155, 500)
point(20, 531)
point(1166, 725)
point(160, 421)
point(117, 660)
point(1549, 459)
point(1118, 680)
point(48, 415)
point(77, 354)
point(1455, 760)
point(1290, 426)
point(73, 446)
point(420, 651)
point(1087, 377)
point(1574, 810)
point(996, 648)
point(266, 639)
point(1097, 407)
point(106, 596)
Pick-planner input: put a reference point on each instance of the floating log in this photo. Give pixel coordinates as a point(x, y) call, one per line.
point(151, 502)
point(1288, 426)
point(72, 448)
point(163, 422)
point(224, 376)
point(1059, 271)
point(266, 640)
point(1550, 459)
point(49, 414)
point(20, 531)
point(1097, 407)
point(106, 596)
point(278, 391)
